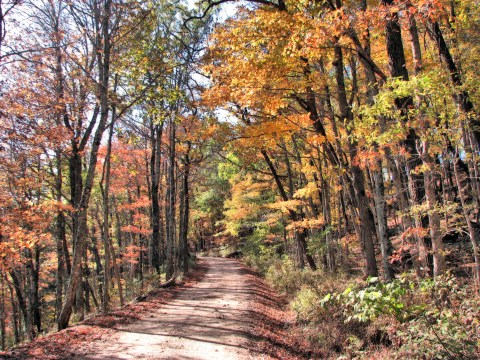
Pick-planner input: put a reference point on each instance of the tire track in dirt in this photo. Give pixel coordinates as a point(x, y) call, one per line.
point(209, 320)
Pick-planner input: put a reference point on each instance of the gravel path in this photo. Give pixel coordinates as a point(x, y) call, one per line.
point(207, 321)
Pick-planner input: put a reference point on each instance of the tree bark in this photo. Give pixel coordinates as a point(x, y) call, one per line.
point(105, 188)
point(33, 269)
point(171, 195)
point(3, 315)
point(300, 235)
point(433, 215)
point(103, 46)
point(186, 210)
point(60, 238)
point(471, 230)
point(462, 97)
point(155, 160)
point(22, 303)
point(358, 179)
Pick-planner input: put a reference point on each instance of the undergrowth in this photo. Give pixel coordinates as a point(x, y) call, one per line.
point(406, 318)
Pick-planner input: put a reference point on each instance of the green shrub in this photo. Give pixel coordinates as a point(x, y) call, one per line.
point(225, 250)
point(430, 319)
point(365, 304)
point(306, 305)
point(449, 325)
point(256, 253)
point(283, 276)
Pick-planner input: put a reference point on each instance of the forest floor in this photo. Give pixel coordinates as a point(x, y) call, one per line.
point(221, 311)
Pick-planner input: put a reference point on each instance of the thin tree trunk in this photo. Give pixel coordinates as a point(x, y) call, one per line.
point(3, 315)
point(155, 161)
point(171, 194)
point(22, 303)
point(96, 255)
point(358, 180)
point(462, 97)
point(118, 226)
point(33, 269)
point(80, 212)
point(186, 211)
point(378, 187)
point(105, 187)
point(15, 319)
point(116, 268)
point(60, 238)
point(299, 233)
point(471, 230)
point(433, 215)
point(382, 227)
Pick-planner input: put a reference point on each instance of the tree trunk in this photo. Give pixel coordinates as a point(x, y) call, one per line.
point(155, 160)
point(299, 233)
point(462, 97)
point(433, 215)
point(171, 194)
point(15, 319)
point(116, 268)
point(358, 179)
point(382, 227)
point(186, 211)
point(105, 188)
point(60, 238)
point(33, 269)
point(98, 285)
point(22, 303)
point(378, 186)
point(103, 43)
point(3, 315)
point(471, 230)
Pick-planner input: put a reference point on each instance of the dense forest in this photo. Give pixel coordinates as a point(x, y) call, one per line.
point(334, 145)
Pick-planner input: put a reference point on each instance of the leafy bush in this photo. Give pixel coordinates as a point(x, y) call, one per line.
point(431, 319)
point(257, 254)
point(365, 304)
point(305, 305)
point(438, 335)
point(226, 249)
point(283, 276)
point(449, 325)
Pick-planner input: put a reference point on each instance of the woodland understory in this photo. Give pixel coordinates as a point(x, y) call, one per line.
point(334, 145)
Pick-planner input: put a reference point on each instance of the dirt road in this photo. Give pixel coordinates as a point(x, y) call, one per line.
point(207, 321)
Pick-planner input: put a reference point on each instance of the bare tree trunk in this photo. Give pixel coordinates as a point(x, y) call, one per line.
point(63, 257)
point(60, 238)
point(415, 41)
point(433, 216)
point(300, 235)
point(382, 228)
point(33, 270)
point(118, 226)
point(116, 268)
point(185, 211)
point(103, 54)
point(171, 195)
point(155, 160)
point(3, 315)
point(471, 230)
point(98, 284)
point(22, 303)
point(377, 172)
point(86, 284)
point(358, 179)
point(462, 97)
point(15, 318)
point(105, 188)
